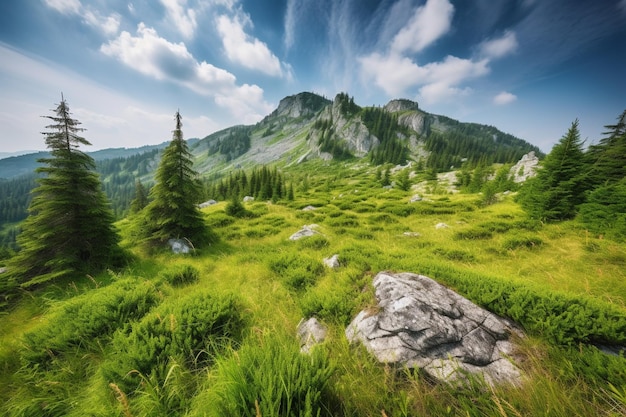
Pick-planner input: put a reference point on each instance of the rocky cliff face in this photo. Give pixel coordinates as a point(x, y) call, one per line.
point(303, 104)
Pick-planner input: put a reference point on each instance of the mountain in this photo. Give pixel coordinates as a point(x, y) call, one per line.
point(306, 126)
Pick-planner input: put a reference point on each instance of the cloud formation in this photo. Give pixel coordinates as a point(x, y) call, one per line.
point(504, 98)
point(154, 56)
point(396, 70)
point(244, 49)
point(428, 23)
point(108, 25)
point(183, 18)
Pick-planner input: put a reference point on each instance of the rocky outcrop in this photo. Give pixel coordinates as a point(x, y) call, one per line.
point(207, 204)
point(298, 105)
point(419, 323)
point(179, 246)
point(401, 104)
point(525, 168)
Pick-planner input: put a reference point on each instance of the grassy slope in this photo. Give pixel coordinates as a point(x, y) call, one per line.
point(365, 225)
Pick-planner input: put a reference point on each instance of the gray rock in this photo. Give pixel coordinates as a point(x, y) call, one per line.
point(3, 270)
point(441, 226)
point(416, 198)
point(525, 168)
point(420, 323)
point(306, 231)
point(179, 245)
point(207, 204)
point(309, 208)
point(332, 262)
point(247, 199)
point(310, 333)
point(412, 234)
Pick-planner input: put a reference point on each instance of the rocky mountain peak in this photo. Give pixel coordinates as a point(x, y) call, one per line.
point(401, 104)
point(302, 104)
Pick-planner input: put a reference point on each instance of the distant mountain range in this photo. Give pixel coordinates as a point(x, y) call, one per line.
point(306, 126)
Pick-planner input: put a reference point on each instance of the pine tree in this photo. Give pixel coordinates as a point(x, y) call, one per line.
point(608, 157)
point(69, 229)
point(559, 186)
point(173, 211)
point(141, 198)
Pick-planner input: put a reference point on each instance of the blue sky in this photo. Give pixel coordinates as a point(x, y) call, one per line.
point(528, 67)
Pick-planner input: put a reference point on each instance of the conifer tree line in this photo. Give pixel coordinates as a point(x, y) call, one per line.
point(588, 183)
point(262, 183)
point(69, 231)
point(236, 144)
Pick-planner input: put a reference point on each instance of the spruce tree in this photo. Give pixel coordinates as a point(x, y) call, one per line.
point(173, 211)
point(69, 229)
point(141, 198)
point(559, 186)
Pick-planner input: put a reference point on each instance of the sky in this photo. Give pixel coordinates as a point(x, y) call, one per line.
point(528, 67)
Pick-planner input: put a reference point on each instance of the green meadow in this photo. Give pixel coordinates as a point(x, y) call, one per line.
point(213, 333)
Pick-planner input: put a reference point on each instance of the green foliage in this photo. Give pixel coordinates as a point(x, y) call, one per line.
point(298, 272)
point(173, 212)
point(83, 321)
point(454, 255)
point(560, 318)
point(235, 144)
point(385, 127)
point(473, 234)
point(315, 242)
point(180, 275)
point(522, 242)
point(270, 378)
point(236, 209)
point(141, 198)
point(262, 183)
point(189, 330)
point(559, 186)
point(605, 210)
point(69, 229)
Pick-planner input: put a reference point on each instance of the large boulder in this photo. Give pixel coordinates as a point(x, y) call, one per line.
point(421, 324)
point(306, 231)
point(179, 246)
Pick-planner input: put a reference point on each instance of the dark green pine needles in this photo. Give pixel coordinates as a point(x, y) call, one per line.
point(173, 211)
point(69, 229)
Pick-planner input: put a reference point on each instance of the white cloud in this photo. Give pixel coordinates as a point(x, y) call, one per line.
point(504, 98)
point(428, 23)
point(499, 47)
point(160, 59)
point(438, 81)
point(65, 6)
point(245, 49)
point(184, 19)
point(109, 25)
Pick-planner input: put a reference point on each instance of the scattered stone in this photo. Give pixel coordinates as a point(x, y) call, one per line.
point(3, 270)
point(332, 262)
point(179, 245)
point(419, 323)
point(441, 226)
point(310, 333)
point(415, 198)
point(247, 199)
point(207, 204)
point(306, 231)
point(412, 234)
point(309, 208)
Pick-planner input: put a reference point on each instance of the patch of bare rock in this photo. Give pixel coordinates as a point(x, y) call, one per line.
point(419, 323)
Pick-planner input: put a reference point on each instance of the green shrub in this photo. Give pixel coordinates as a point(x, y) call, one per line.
point(270, 378)
point(382, 219)
point(189, 331)
point(315, 242)
point(296, 271)
point(560, 318)
point(219, 219)
point(345, 220)
point(476, 233)
point(180, 275)
point(84, 320)
point(334, 306)
point(522, 242)
point(454, 255)
point(236, 209)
